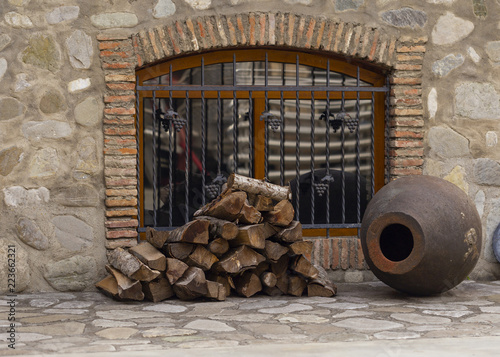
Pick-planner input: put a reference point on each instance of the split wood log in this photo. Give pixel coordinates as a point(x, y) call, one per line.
point(322, 285)
point(274, 251)
point(280, 267)
point(258, 187)
point(220, 228)
point(178, 250)
point(192, 284)
point(150, 256)
point(261, 268)
point(127, 288)
point(274, 291)
point(263, 203)
point(218, 247)
point(303, 247)
point(281, 215)
point(249, 215)
point(192, 232)
point(296, 285)
point(282, 283)
point(238, 260)
point(175, 270)
point(201, 258)
point(251, 236)
point(157, 290)
point(131, 266)
point(268, 279)
point(269, 230)
point(226, 281)
point(304, 267)
point(156, 238)
point(109, 287)
point(290, 234)
point(216, 291)
point(227, 206)
point(248, 284)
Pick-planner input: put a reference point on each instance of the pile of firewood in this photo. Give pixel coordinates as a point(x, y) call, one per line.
point(244, 241)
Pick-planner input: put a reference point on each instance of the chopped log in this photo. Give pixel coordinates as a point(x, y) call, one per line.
point(269, 230)
point(282, 283)
point(303, 247)
point(304, 267)
point(226, 281)
point(238, 260)
point(192, 284)
point(156, 238)
point(157, 290)
point(263, 203)
point(281, 266)
point(201, 258)
point(248, 284)
point(322, 285)
point(227, 206)
point(108, 287)
point(218, 247)
point(216, 291)
point(261, 268)
point(268, 279)
point(249, 215)
point(281, 215)
point(127, 288)
point(178, 250)
point(192, 232)
point(274, 251)
point(251, 236)
point(175, 270)
point(274, 291)
point(150, 256)
point(131, 266)
point(258, 187)
point(290, 234)
point(296, 285)
point(220, 228)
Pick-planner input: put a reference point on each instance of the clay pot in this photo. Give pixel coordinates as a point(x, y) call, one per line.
point(421, 235)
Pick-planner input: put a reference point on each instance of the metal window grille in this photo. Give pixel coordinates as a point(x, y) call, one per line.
point(291, 123)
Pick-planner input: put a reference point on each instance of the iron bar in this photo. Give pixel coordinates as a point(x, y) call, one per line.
point(358, 162)
point(297, 141)
point(187, 152)
point(171, 137)
point(266, 129)
point(271, 88)
point(327, 139)
point(372, 147)
point(250, 134)
point(282, 141)
point(235, 120)
point(137, 158)
point(155, 159)
point(203, 135)
point(312, 158)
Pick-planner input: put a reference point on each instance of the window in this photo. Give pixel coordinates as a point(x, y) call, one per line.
point(312, 121)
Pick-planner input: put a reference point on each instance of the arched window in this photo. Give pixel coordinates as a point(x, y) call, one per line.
point(308, 120)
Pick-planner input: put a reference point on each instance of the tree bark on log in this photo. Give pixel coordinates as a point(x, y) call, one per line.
point(268, 279)
point(178, 250)
point(157, 290)
point(302, 266)
point(281, 215)
point(175, 270)
point(192, 232)
point(150, 256)
point(322, 285)
point(301, 248)
point(251, 236)
point(249, 215)
point(220, 228)
point(248, 284)
point(218, 247)
point(274, 251)
point(192, 284)
point(201, 258)
point(258, 187)
point(131, 266)
point(290, 234)
point(263, 203)
point(238, 260)
point(127, 288)
point(227, 206)
point(156, 238)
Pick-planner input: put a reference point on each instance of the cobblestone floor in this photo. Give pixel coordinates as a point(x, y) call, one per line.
point(48, 323)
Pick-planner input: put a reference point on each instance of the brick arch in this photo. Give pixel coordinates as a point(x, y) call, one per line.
point(122, 54)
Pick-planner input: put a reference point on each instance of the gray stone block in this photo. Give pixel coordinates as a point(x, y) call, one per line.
point(30, 233)
point(405, 17)
point(487, 172)
point(73, 233)
point(73, 274)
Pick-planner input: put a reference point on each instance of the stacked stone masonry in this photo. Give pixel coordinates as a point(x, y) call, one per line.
point(120, 56)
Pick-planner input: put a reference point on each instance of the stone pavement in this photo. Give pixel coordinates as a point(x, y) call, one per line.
point(363, 318)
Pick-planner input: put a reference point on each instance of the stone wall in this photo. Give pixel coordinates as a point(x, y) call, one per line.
point(67, 144)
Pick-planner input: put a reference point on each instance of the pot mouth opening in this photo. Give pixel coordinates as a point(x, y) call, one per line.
point(396, 242)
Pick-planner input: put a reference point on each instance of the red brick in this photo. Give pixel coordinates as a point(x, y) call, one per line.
point(109, 45)
point(112, 36)
point(406, 152)
point(251, 21)
point(122, 213)
point(119, 111)
point(122, 54)
point(232, 32)
point(335, 253)
point(329, 37)
point(405, 134)
point(356, 41)
point(122, 224)
point(135, 42)
point(291, 25)
point(400, 171)
point(406, 143)
point(178, 26)
point(121, 202)
point(119, 131)
point(308, 256)
point(120, 243)
point(316, 252)
point(338, 36)
point(406, 101)
point(409, 58)
point(272, 29)
point(408, 67)
point(344, 253)
point(119, 182)
point(241, 29)
point(300, 29)
point(282, 30)
point(262, 23)
point(406, 162)
point(170, 33)
point(194, 40)
point(326, 253)
point(406, 80)
point(211, 32)
point(407, 122)
point(119, 78)
point(408, 49)
point(121, 86)
point(119, 141)
point(352, 252)
point(373, 49)
point(309, 33)
point(121, 192)
point(119, 98)
point(152, 39)
point(360, 263)
point(163, 41)
point(406, 111)
point(321, 31)
point(118, 65)
point(121, 234)
point(119, 171)
point(118, 121)
point(121, 151)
